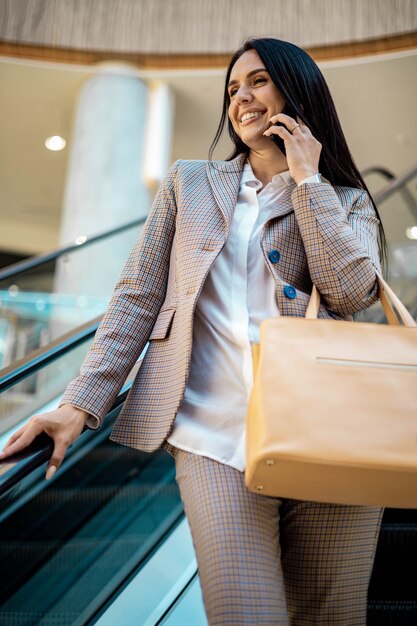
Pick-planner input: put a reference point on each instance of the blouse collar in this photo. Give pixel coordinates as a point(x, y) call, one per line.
point(284, 179)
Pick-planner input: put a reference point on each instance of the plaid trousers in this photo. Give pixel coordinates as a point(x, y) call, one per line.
point(264, 560)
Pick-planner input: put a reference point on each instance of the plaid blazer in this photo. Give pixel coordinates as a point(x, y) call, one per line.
point(324, 234)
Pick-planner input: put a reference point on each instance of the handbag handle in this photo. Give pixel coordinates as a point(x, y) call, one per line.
point(392, 305)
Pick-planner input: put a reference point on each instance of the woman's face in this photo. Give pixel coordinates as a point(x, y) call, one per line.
point(254, 99)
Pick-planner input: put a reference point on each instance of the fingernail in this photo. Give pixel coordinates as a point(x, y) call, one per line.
point(50, 472)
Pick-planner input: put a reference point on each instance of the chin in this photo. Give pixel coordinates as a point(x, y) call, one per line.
point(256, 143)
point(252, 140)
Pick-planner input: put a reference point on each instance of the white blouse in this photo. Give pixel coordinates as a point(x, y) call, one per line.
point(238, 294)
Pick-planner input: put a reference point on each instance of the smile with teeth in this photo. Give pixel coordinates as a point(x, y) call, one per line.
point(252, 115)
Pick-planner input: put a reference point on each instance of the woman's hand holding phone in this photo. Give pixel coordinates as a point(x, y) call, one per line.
point(300, 147)
point(63, 425)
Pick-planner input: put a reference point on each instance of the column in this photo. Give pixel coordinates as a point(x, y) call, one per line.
point(105, 185)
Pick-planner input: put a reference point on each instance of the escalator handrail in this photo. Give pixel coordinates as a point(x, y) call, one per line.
point(379, 169)
point(16, 468)
point(43, 259)
point(44, 355)
point(398, 184)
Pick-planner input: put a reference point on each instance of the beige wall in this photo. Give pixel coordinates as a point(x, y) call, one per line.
point(375, 95)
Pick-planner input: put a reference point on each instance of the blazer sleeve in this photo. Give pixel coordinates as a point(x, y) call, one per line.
point(341, 245)
point(131, 313)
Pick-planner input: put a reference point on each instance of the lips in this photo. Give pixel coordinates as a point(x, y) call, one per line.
point(249, 116)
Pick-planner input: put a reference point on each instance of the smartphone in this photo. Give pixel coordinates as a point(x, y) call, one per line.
point(277, 140)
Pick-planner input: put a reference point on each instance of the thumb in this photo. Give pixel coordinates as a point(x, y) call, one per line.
point(56, 459)
point(50, 471)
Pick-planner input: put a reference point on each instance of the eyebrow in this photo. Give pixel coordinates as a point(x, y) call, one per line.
point(260, 69)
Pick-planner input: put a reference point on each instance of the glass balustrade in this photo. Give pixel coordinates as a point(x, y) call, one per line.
point(45, 302)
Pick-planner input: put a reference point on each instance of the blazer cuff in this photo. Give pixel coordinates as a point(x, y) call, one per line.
point(93, 422)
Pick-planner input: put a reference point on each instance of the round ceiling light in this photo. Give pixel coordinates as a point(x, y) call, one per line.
point(55, 143)
point(411, 232)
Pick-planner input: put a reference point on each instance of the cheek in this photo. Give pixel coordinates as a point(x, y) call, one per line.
point(232, 111)
point(276, 98)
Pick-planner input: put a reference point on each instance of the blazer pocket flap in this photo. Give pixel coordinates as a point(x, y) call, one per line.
point(163, 324)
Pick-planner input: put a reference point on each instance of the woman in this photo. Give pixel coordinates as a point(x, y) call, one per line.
point(227, 244)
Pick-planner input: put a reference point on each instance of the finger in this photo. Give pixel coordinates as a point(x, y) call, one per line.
point(18, 433)
point(51, 469)
point(58, 454)
point(303, 127)
point(289, 122)
point(283, 117)
point(296, 129)
point(10, 442)
point(277, 130)
point(15, 436)
point(16, 444)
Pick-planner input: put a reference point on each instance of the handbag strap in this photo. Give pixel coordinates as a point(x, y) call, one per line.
point(392, 305)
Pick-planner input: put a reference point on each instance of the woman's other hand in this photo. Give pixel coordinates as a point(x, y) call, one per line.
point(302, 148)
point(63, 425)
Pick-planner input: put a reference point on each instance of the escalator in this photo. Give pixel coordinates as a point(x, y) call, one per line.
point(106, 542)
point(112, 519)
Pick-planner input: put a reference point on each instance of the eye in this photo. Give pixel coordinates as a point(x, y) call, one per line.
point(232, 92)
point(258, 80)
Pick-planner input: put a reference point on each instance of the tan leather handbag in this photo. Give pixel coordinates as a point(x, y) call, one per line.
point(332, 416)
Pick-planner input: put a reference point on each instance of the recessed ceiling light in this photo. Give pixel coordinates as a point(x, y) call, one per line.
point(411, 232)
point(55, 143)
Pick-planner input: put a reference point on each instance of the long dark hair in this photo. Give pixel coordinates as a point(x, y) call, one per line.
point(303, 87)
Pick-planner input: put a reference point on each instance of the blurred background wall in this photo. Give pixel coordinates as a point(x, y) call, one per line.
point(132, 85)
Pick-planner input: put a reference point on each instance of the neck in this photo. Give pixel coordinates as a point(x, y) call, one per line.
point(267, 163)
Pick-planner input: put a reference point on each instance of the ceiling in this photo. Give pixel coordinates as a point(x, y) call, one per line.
point(375, 96)
point(169, 27)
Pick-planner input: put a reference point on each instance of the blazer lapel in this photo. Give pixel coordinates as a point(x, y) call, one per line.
point(224, 178)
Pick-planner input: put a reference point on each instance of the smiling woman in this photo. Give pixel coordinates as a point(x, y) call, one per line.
point(252, 93)
point(228, 244)
point(255, 103)
point(269, 75)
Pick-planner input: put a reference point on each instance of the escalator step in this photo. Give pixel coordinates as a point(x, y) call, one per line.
point(390, 613)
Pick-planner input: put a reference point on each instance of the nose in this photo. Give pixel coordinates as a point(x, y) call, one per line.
point(243, 94)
